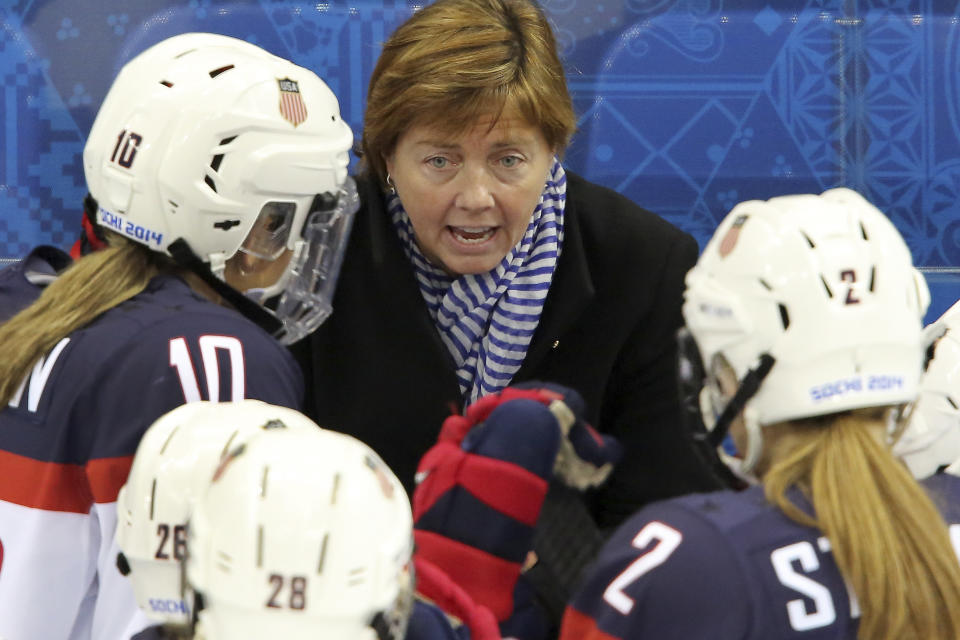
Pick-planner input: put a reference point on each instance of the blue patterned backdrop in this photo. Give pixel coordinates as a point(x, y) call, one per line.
point(686, 106)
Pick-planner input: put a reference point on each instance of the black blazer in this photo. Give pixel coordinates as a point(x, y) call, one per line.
point(378, 370)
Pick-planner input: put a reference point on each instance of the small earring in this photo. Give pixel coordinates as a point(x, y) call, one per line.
point(390, 185)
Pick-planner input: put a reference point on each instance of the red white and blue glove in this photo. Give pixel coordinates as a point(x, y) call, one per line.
point(481, 488)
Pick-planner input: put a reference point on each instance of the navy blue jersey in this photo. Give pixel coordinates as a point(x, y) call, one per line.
point(723, 565)
point(68, 437)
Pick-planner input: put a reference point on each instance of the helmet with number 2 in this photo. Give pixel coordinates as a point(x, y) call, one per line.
point(814, 303)
point(174, 463)
point(213, 143)
point(302, 535)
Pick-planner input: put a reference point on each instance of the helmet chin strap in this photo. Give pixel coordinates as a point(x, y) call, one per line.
point(184, 256)
point(722, 419)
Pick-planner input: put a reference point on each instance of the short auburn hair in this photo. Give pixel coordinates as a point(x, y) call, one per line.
point(457, 60)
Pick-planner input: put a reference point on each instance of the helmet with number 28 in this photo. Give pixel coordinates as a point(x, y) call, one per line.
point(216, 152)
point(814, 303)
point(302, 534)
point(174, 463)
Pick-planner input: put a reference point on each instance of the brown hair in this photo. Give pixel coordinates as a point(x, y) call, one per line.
point(95, 283)
point(456, 60)
point(888, 539)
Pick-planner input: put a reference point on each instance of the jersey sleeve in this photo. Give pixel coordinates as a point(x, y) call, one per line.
point(664, 574)
point(115, 612)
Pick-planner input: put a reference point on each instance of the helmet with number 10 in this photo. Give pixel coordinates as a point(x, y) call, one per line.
point(210, 147)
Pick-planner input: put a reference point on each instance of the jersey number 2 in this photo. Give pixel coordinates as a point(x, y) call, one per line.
point(667, 540)
point(209, 346)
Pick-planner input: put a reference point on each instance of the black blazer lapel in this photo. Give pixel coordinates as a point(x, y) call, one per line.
point(570, 294)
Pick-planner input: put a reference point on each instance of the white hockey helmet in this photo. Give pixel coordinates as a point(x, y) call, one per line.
point(814, 302)
point(173, 465)
point(302, 535)
point(932, 437)
point(209, 148)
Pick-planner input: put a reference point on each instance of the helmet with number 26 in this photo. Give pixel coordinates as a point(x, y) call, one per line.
point(302, 534)
point(234, 162)
point(174, 463)
point(814, 303)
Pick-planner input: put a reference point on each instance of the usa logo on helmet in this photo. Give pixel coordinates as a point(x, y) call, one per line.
point(292, 107)
point(730, 238)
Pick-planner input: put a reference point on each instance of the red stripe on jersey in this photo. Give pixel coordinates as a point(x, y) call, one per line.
point(50, 486)
point(577, 626)
point(107, 475)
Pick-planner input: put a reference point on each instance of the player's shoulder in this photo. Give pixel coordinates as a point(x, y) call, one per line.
point(169, 297)
point(168, 308)
point(168, 331)
point(658, 574)
point(701, 521)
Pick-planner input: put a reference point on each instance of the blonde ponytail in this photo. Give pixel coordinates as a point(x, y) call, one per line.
point(92, 285)
point(889, 540)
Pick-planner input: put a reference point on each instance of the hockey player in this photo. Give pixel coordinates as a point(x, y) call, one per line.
point(931, 442)
point(218, 173)
point(306, 533)
point(806, 315)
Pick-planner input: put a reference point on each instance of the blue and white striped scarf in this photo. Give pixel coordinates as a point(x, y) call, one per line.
point(487, 320)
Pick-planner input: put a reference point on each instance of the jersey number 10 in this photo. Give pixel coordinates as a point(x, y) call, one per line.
point(209, 346)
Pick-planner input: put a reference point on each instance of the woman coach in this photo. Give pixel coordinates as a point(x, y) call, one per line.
point(477, 261)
